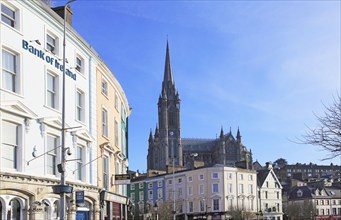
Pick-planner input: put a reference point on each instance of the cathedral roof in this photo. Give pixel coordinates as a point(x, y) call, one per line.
point(190, 144)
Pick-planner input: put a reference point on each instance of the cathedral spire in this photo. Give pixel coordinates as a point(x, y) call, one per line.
point(150, 136)
point(239, 137)
point(221, 132)
point(168, 82)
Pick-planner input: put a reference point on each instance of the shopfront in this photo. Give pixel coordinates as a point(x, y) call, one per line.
point(114, 206)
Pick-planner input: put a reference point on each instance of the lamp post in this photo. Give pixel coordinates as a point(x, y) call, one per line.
point(63, 160)
point(155, 210)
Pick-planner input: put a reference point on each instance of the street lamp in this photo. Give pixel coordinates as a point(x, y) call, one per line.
point(62, 175)
point(155, 210)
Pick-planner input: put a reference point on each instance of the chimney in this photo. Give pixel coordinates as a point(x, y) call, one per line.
point(60, 11)
point(269, 165)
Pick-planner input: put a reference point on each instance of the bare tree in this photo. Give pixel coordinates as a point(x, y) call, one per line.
point(238, 214)
point(165, 211)
point(300, 209)
point(327, 134)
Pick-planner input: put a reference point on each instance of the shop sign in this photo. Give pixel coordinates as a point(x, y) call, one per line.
point(52, 61)
point(115, 198)
point(79, 197)
point(121, 179)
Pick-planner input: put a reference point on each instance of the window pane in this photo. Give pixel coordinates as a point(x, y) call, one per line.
point(7, 15)
point(50, 82)
point(51, 43)
point(104, 123)
point(104, 87)
point(8, 80)
point(9, 145)
point(8, 61)
point(8, 70)
point(51, 91)
point(78, 64)
point(51, 154)
point(79, 162)
point(80, 106)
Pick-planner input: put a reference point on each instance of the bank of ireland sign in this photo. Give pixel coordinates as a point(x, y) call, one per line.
point(50, 60)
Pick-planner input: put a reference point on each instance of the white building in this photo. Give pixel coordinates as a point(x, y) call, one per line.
point(270, 194)
point(217, 192)
point(31, 37)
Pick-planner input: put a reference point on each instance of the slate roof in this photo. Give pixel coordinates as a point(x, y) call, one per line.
point(310, 192)
point(199, 145)
point(261, 176)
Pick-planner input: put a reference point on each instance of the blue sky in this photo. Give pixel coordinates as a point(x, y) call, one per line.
point(263, 66)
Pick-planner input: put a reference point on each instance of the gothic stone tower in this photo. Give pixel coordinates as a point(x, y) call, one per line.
point(165, 147)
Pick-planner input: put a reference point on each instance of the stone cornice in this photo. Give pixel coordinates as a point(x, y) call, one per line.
point(34, 180)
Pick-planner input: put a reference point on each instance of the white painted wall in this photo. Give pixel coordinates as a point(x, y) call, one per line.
point(35, 22)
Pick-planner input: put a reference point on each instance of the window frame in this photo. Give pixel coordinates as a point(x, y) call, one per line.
point(116, 101)
point(116, 133)
point(190, 190)
point(52, 43)
point(141, 196)
point(80, 66)
point(80, 105)
point(150, 194)
point(16, 146)
point(215, 175)
point(104, 87)
point(201, 205)
point(79, 162)
point(215, 187)
point(201, 189)
point(190, 206)
point(54, 92)
point(15, 76)
point(241, 188)
point(105, 171)
point(159, 193)
point(132, 196)
point(105, 126)
point(52, 153)
point(14, 22)
point(216, 204)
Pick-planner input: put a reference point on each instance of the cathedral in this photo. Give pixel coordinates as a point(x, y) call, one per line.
point(168, 148)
